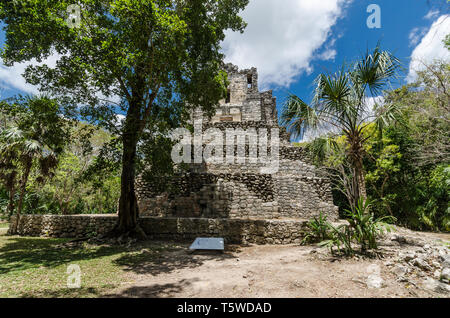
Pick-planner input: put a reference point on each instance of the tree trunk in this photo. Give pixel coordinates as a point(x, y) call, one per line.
point(127, 225)
point(23, 186)
point(356, 157)
point(12, 194)
point(359, 175)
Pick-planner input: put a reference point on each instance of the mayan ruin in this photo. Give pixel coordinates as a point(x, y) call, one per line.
point(240, 190)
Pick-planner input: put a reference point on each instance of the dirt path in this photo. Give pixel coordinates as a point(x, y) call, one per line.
point(277, 271)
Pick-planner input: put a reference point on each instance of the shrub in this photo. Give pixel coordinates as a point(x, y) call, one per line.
point(340, 236)
point(365, 227)
point(318, 229)
point(362, 228)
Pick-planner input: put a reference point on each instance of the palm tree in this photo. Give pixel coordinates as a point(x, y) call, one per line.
point(340, 103)
point(35, 139)
point(8, 172)
point(28, 149)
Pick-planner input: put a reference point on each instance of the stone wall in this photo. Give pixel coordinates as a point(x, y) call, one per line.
point(235, 231)
point(228, 195)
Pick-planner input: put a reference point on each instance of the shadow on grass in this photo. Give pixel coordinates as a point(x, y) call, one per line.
point(147, 258)
point(83, 292)
point(21, 253)
point(166, 260)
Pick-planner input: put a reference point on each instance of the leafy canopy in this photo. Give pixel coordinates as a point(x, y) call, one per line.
point(144, 55)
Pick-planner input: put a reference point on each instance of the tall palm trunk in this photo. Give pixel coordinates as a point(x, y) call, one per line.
point(359, 175)
point(356, 156)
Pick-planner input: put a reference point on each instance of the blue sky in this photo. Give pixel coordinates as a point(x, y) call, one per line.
point(398, 19)
point(292, 41)
point(336, 29)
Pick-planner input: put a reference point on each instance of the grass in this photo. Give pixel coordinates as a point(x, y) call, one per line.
point(36, 267)
point(4, 225)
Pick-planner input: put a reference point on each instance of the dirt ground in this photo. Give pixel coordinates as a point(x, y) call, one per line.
point(278, 271)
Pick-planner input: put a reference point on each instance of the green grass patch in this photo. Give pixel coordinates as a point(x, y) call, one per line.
point(4, 225)
point(37, 267)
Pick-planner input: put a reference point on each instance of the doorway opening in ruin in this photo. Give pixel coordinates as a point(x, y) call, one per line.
point(249, 81)
point(228, 99)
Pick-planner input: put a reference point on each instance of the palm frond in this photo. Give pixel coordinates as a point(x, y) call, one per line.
point(332, 99)
point(387, 114)
point(297, 116)
point(322, 146)
point(33, 147)
point(13, 134)
point(375, 70)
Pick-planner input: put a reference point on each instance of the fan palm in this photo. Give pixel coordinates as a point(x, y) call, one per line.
point(27, 150)
point(340, 103)
point(35, 139)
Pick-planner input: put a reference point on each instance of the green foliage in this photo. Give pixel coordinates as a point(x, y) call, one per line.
point(405, 164)
point(434, 209)
point(75, 186)
point(74, 193)
point(4, 198)
point(407, 177)
point(32, 142)
point(363, 229)
point(318, 229)
point(416, 194)
point(154, 60)
point(341, 238)
point(137, 56)
point(340, 101)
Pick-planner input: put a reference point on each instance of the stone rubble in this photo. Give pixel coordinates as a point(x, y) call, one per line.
point(421, 263)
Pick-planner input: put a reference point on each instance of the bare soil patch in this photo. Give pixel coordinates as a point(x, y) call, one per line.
point(289, 271)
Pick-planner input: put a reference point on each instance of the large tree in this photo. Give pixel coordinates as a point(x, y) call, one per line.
point(134, 56)
point(340, 103)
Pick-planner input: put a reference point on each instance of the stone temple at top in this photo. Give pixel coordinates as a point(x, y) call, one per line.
point(244, 103)
point(241, 190)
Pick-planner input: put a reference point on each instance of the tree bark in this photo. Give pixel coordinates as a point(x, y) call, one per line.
point(12, 194)
point(359, 174)
point(127, 225)
point(356, 156)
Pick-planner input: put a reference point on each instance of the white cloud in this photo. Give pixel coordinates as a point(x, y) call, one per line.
point(369, 107)
point(321, 131)
point(415, 35)
point(11, 77)
point(371, 101)
point(432, 14)
point(120, 118)
point(328, 55)
point(281, 40)
point(431, 47)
